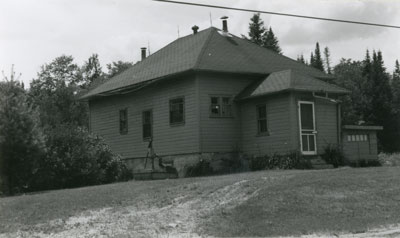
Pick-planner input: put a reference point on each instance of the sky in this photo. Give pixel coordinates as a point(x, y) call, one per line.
point(33, 33)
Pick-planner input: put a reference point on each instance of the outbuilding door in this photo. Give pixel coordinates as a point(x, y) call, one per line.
point(308, 140)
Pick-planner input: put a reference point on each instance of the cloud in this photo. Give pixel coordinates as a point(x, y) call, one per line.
point(362, 11)
point(35, 32)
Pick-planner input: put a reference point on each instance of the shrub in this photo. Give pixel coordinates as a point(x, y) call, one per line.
point(387, 159)
point(201, 168)
point(232, 164)
point(258, 162)
point(290, 160)
point(365, 163)
point(333, 155)
point(77, 158)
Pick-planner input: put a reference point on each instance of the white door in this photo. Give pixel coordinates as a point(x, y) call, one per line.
point(308, 133)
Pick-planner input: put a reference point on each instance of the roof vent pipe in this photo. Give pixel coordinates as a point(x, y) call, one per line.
point(224, 23)
point(195, 29)
point(143, 53)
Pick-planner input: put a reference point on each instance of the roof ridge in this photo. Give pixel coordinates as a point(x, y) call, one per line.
point(319, 80)
point(203, 48)
point(282, 55)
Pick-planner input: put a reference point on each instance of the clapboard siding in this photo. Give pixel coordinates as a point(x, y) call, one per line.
point(326, 123)
point(278, 122)
point(220, 134)
point(168, 139)
point(360, 150)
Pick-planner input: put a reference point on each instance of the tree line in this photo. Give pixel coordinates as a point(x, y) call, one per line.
point(44, 138)
point(375, 93)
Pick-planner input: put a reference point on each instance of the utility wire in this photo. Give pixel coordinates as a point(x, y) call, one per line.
point(280, 14)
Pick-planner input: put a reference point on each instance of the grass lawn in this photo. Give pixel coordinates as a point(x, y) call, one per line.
point(266, 203)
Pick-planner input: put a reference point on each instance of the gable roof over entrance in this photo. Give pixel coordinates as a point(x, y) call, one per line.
point(208, 50)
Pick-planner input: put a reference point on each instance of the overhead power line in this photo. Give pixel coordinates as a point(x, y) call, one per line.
point(281, 14)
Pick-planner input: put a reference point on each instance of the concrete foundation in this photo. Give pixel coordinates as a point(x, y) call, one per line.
point(182, 162)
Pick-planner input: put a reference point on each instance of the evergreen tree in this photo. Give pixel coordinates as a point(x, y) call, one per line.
point(270, 41)
point(378, 110)
point(327, 60)
point(301, 59)
point(367, 64)
point(316, 59)
point(312, 59)
point(262, 37)
point(396, 72)
point(256, 29)
point(396, 100)
point(21, 138)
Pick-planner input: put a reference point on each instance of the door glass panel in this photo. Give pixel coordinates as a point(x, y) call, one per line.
point(307, 121)
point(305, 142)
point(312, 142)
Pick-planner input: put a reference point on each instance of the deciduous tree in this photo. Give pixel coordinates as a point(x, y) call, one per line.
point(54, 93)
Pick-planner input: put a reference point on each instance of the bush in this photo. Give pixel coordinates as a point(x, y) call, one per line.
point(21, 139)
point(258, 162)
point(201, 168)
point(365, 163)
point(387, 159)
point(232, 164)
point(291, 160)
point(77, 158)
point(333, 155)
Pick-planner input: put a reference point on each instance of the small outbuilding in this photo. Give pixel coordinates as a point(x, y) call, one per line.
point(360, 142)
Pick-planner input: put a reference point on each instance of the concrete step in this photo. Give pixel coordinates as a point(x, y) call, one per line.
point(318, 163)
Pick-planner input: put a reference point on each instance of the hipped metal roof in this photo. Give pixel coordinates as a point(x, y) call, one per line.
point(289, 80)
point(208, 50)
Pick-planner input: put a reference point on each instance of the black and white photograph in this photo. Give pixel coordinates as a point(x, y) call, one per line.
point(199, 118)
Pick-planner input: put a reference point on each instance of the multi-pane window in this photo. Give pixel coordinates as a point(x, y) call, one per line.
point(262, 119)
point(123, 121)
point(147, 121)
point(215, 107)
point(357, 137)
point(177, 110)
point(221, 106)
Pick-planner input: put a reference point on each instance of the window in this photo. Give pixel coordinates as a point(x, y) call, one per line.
point(352, 138)
point(262, 119)
point(177, 111)
point(123, 121)
point(147, 121)
point(215, 108)
point(221, 106)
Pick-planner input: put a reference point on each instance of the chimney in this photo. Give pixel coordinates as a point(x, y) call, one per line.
point(143, 53)
point(224, 24)
point(195, 29)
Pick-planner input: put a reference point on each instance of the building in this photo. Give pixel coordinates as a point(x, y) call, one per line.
point(211, 94)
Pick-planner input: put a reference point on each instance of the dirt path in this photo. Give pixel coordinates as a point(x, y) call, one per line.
point(183, 211)
point(178, 219)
